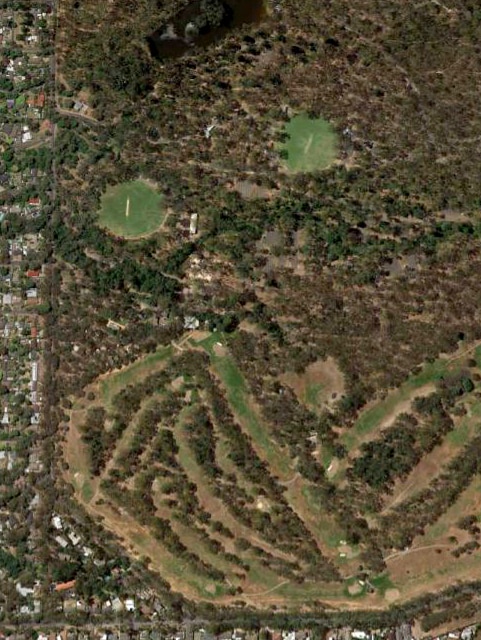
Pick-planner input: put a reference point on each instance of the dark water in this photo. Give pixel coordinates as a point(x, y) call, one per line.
point(201, 23)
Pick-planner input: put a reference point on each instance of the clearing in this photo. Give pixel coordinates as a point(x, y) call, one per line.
point(311, 146)
point(321, 383)
point(131, 210)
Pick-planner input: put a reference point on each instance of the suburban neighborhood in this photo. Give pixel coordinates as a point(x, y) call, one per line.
point(26, 139)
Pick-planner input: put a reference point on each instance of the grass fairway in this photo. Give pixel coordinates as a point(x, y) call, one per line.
point(312, 144)
point(118, 380)
point(131, 209)
point(370, 419)
point(238, 396)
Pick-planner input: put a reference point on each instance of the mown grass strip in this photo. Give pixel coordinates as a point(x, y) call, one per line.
point(370, 419)
point(238, 398)
point(118, 380)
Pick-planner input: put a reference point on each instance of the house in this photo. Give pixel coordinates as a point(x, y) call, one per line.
point(194, 222)
point(32, 295)
point(130, 604)
point(61, 587)
point(74, 538)
point(208, 130)
point(191, 322)
point(24, 591)
point(26, 135)
point(61, 541)
point(80, 107)
point(35, 464)
point(404, 632)
point(117, 605)
point(26, 610)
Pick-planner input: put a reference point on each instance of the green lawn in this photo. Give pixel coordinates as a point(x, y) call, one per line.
point(238, 397)
point(311, 395)
point(311, 146)
point(370, 419)
point(114, 383)
point(382, 583)
point(131, 209)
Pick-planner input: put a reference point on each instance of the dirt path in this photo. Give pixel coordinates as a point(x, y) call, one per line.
point(265, 593)
point(295, 478)
point(403, 554)
point(465, 352)
point(423, 473)
point(399, 497)
point(79, 116)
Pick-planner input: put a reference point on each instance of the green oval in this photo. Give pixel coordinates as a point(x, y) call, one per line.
point(312, 144)
point(131, 209)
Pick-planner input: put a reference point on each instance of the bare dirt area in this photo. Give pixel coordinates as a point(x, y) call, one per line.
point(250, 190)
point(432, 568)
point(347, 550)
point(220, 349)
point(321, 383)
point(392, 595)
point(354, 589)
point(409, 565)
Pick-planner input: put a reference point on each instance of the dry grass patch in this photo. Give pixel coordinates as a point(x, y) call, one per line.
point(392, 595)
point(355, 589)
point(321, 383)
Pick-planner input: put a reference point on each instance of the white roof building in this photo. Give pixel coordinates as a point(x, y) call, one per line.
point(191, 322)
point(24, 591)
point(61, 541)
point(194, 222)
point(130, 604)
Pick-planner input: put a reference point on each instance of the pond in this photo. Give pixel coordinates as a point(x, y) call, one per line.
point(201, 23)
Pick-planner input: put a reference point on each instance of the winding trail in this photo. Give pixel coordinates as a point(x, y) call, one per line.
point(265, 593)
point(398, 554)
